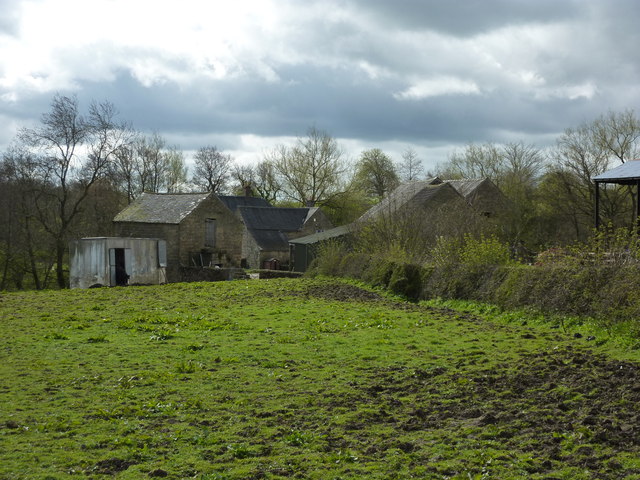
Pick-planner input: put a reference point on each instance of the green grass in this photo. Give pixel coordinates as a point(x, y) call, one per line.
point(302, 378)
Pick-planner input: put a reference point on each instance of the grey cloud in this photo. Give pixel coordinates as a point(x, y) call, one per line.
point(326, 86)
point(465, 17)
point(9, 20)
point(330, 100)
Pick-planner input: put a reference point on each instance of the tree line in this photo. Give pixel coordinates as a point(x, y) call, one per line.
point(68, 176)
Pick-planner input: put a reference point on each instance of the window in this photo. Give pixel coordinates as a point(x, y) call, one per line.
point(210, 232)
point(162, 253)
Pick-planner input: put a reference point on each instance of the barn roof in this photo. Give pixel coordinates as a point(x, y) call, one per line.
point(233, 202)
point(274, 218)
point(268, 225)
point(628, 172)
point(416, 193)
point(270, 240)
point(465, 187)
point(169, 208)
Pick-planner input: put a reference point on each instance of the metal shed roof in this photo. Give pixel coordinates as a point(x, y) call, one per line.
point(628, 172)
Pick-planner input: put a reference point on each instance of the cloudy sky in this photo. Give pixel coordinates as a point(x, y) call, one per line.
point(245, 75)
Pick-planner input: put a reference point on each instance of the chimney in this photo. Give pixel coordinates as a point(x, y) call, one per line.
point(248, 191)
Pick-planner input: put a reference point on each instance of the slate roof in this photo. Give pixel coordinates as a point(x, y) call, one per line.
point(417, 193)
point(233, 202)
point(169, 208)
point(274, 218)
point(627, 172)
point(270, 240)
point(268, 225)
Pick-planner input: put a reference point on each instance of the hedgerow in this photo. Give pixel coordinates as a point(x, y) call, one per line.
point(600, 279)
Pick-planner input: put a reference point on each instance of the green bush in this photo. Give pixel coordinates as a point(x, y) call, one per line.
point(406, 280)
point(479, 251)
point(328, 258)
point(354, 264)
point(378, 272)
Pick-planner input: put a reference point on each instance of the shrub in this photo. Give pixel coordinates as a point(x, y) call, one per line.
point(378, 272)
point(406, 280)
point(328, 258)
point(483, 250)
point(354, 264)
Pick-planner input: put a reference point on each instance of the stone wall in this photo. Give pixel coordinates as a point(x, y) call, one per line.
point(228, 241)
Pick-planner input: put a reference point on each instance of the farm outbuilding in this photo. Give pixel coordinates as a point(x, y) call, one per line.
point(117, 261)
point(199, 229)
point(303, 250)
point(268, 230)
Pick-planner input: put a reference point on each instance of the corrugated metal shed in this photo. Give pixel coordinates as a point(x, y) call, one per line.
point(169, 208)
point(304, 250)
point(627, 173)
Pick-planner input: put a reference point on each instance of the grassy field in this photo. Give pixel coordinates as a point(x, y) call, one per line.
point(316, 379)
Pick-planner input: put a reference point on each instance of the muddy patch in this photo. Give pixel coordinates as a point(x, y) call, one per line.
point(342, 292)
point(112, 466)
point(566, 406)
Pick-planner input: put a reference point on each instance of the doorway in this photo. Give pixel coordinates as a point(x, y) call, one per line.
point(119, 266)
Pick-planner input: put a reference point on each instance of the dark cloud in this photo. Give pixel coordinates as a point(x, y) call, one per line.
point(337, 101)
point(465, 17)
point(352, 74)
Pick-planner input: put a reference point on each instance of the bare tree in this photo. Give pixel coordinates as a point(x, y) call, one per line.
point(619, 134)
point(146, 164)
point(261, 179)
point(411, 167)
point(515, 168)
point(475, 161)
point(151, 163)
point(75, 152)
point(310, 172)
point(212, 169)
point(589, 150)
point(22, 240)
point(123, 171)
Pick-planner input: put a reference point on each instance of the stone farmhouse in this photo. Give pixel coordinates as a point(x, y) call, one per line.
point(198, 228)
point(204, 229)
